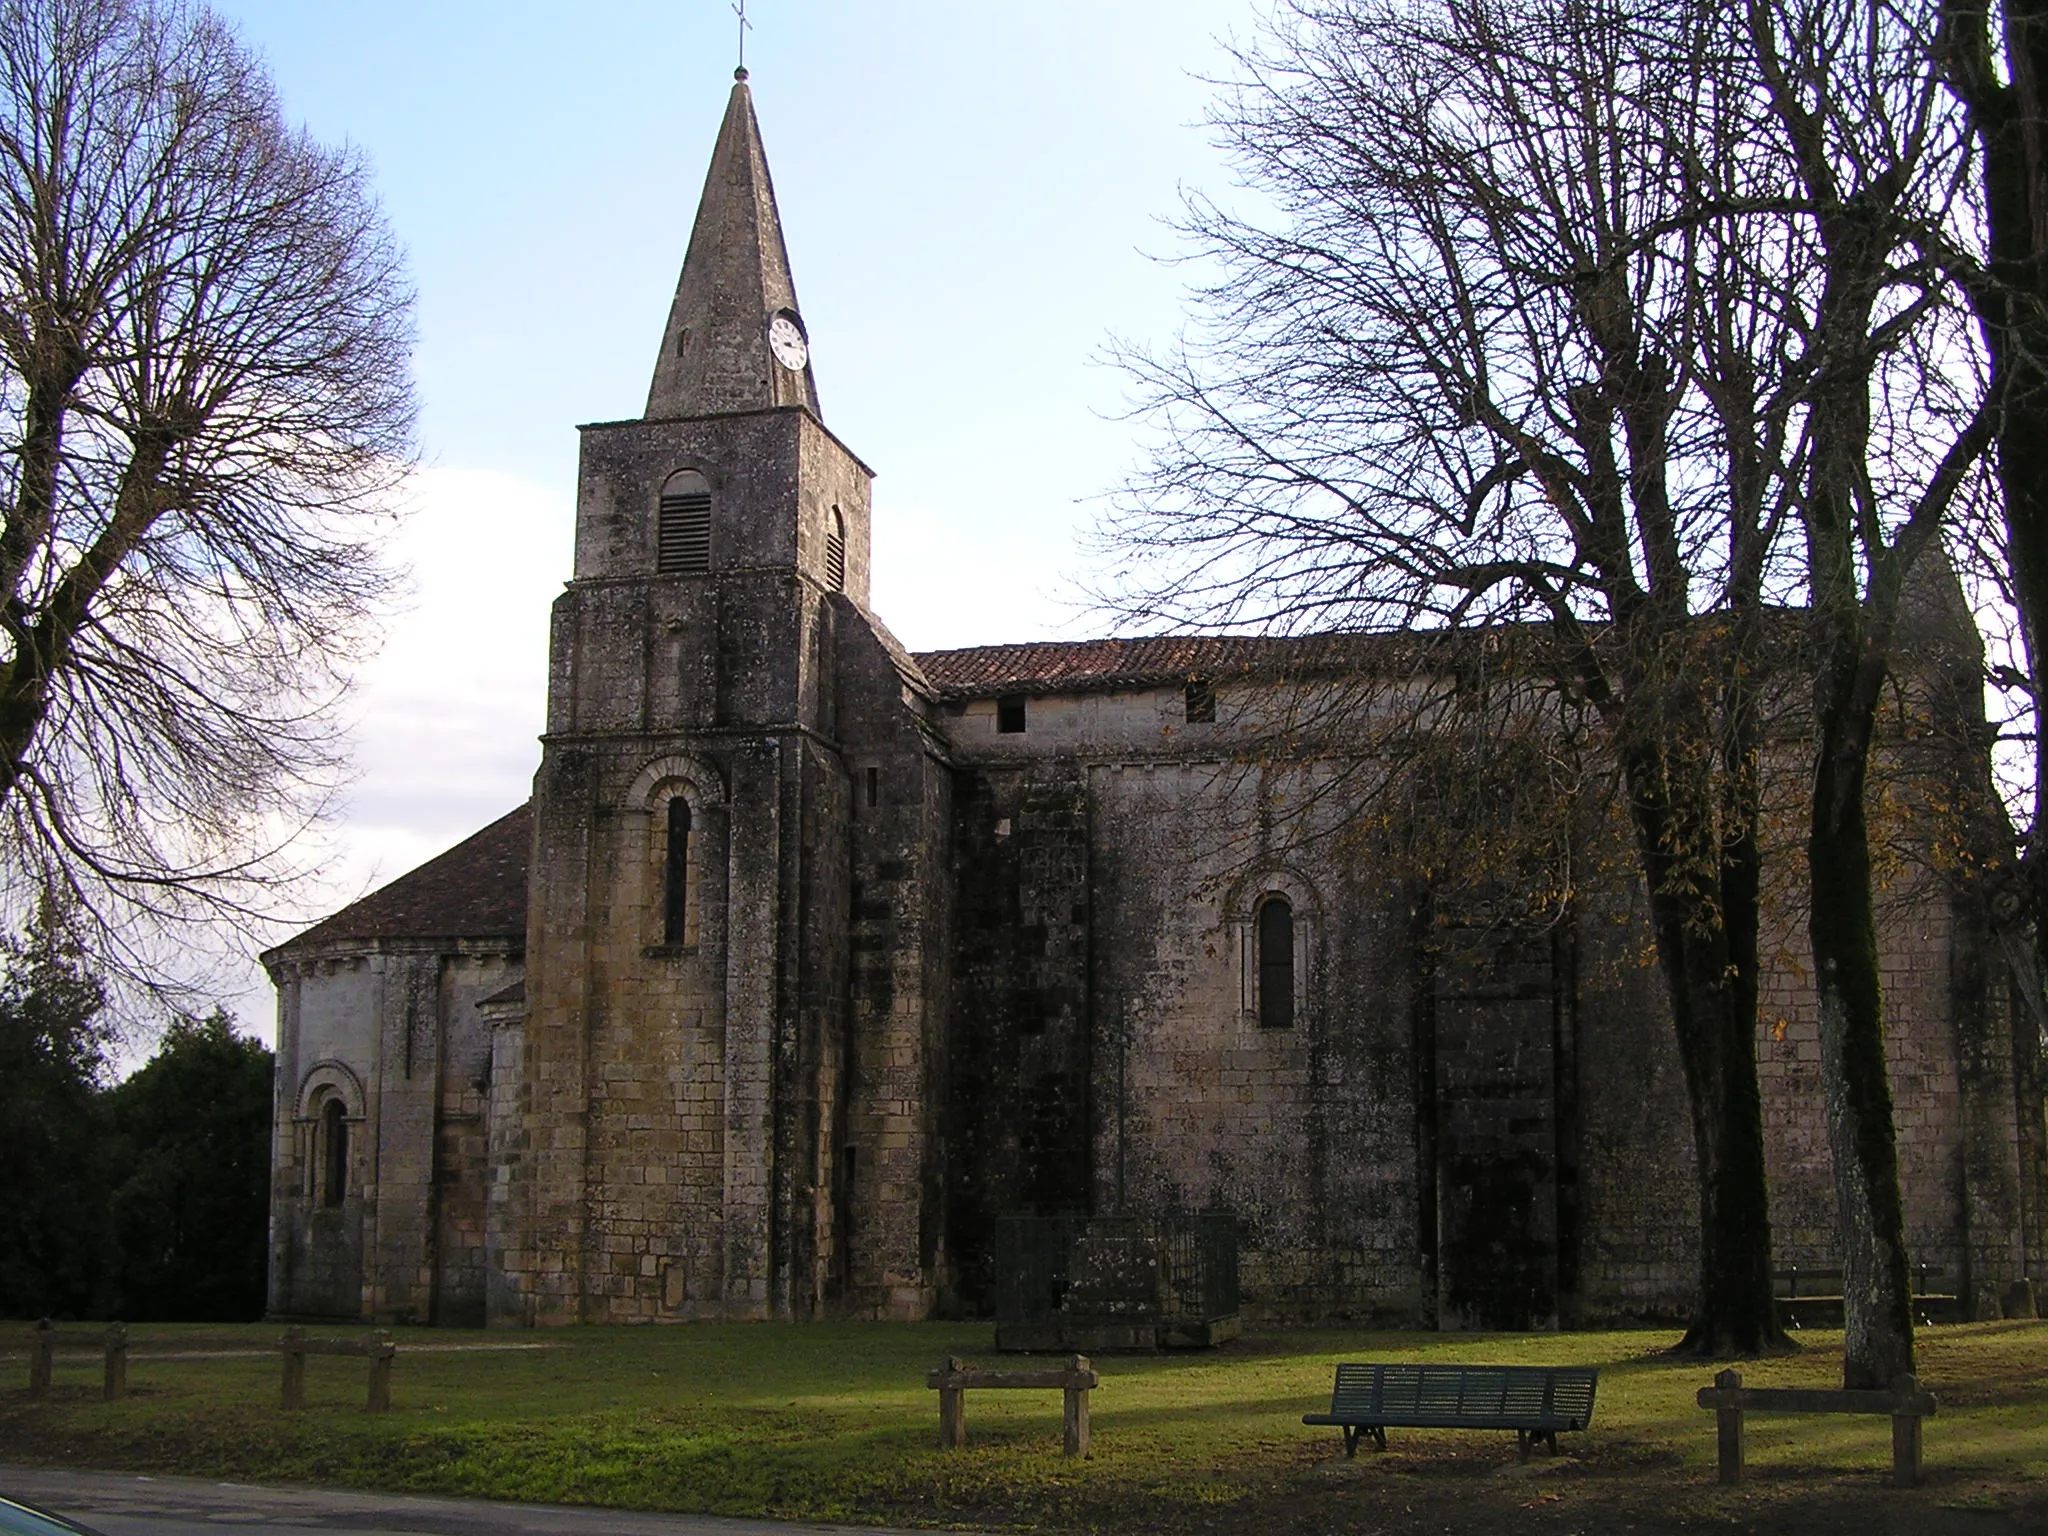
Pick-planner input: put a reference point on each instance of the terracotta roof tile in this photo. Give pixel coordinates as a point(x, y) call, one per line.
point(476, 890)
point(1062, 666)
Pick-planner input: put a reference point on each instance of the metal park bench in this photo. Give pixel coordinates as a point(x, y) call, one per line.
point(1537, 1402)
point(377, 1347)
point(1810, 1295)
point(951, 1381)
point(1907, 1405)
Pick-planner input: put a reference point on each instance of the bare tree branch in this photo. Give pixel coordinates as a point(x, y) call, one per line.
point(205, 407)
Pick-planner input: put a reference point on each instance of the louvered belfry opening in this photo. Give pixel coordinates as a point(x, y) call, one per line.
point(683, 537)
point(835, 553)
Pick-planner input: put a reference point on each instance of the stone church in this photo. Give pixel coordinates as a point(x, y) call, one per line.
point(811, 959)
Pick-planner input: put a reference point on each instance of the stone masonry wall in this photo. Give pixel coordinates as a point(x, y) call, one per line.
point(1307, 1132)
point(396, 1024)
point(887, 1168)
point(1638, 1196)
point(1018, 1053)
point(1312, 1135)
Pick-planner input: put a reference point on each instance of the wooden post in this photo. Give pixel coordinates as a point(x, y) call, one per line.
point(953, 1410)
point(1905, 1437)
point(1076, 1422)
point(42, 1356)
point(1729, 1423)
point(294, 1368)
point(116, 1385)
point(381, 1352)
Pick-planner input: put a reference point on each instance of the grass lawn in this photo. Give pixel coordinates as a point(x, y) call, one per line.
point(833, 1422)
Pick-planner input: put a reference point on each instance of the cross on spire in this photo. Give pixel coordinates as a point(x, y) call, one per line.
point(740, 10)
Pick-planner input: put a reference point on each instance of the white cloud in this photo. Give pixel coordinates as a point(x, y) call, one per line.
point(448, 713)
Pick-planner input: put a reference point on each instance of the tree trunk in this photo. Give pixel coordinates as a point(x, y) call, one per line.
point(1706, 928)
point(2011, 129)
point(1876, 1297)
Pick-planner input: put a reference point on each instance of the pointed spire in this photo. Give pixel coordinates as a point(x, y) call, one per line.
point(715, 355)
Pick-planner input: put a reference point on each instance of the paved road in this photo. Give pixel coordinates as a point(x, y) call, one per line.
point(123, 1505)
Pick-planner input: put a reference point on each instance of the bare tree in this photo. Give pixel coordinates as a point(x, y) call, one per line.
point(1994, 56)
point(205, 398)
point(1870, 160)
point(1620, 316)
point(1483, 367)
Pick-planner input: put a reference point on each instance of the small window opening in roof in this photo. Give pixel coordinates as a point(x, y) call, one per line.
point(1200, 697)
point(1010, 714)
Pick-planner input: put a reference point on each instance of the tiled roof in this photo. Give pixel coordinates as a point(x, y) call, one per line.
point(476, 890)
point(1062, 666)
point(516, 993)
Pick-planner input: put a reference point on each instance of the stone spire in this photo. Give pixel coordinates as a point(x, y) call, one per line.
point(715, 356)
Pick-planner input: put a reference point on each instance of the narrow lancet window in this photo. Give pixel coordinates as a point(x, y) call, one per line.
point(683, 532)
point(675, 894)
point(1276, 963)
point(835, 553)
point(333, 1153)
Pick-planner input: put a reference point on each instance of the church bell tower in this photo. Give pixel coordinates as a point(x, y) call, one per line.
point(686, 948)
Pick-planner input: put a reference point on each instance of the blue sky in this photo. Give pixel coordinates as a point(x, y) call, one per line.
point(971, 195)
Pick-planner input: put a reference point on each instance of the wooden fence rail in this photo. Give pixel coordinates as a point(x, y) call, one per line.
point(47, 1338)
point(378, 1347)
point(952, 1380)
point(1907, 1405)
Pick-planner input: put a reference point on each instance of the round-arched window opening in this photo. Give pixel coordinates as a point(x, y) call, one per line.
point(675, 894)
point(333, 1153)
point(1276, 963)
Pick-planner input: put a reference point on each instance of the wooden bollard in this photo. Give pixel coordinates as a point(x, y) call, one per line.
point(380, 1374)
point(953, 1409)
point(1728, 1425)
point(1076, 1418)
point(115, 1385)
point(1906, 1435)
point(293, 1345)
point(42, 1358)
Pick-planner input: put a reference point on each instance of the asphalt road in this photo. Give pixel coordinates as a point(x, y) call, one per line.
point(123, 1505)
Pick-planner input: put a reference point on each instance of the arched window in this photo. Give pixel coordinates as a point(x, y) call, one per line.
point(835, 553)
point(333, 1152)
point(682, 543)
point(675, 884)
point(1276, 963)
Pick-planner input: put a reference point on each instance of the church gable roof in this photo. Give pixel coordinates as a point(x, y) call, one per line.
point(476, 890)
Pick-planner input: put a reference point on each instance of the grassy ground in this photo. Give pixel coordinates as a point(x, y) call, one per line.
point(833, 1422)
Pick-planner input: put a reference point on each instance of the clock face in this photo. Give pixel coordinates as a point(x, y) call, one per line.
point(786, 341)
